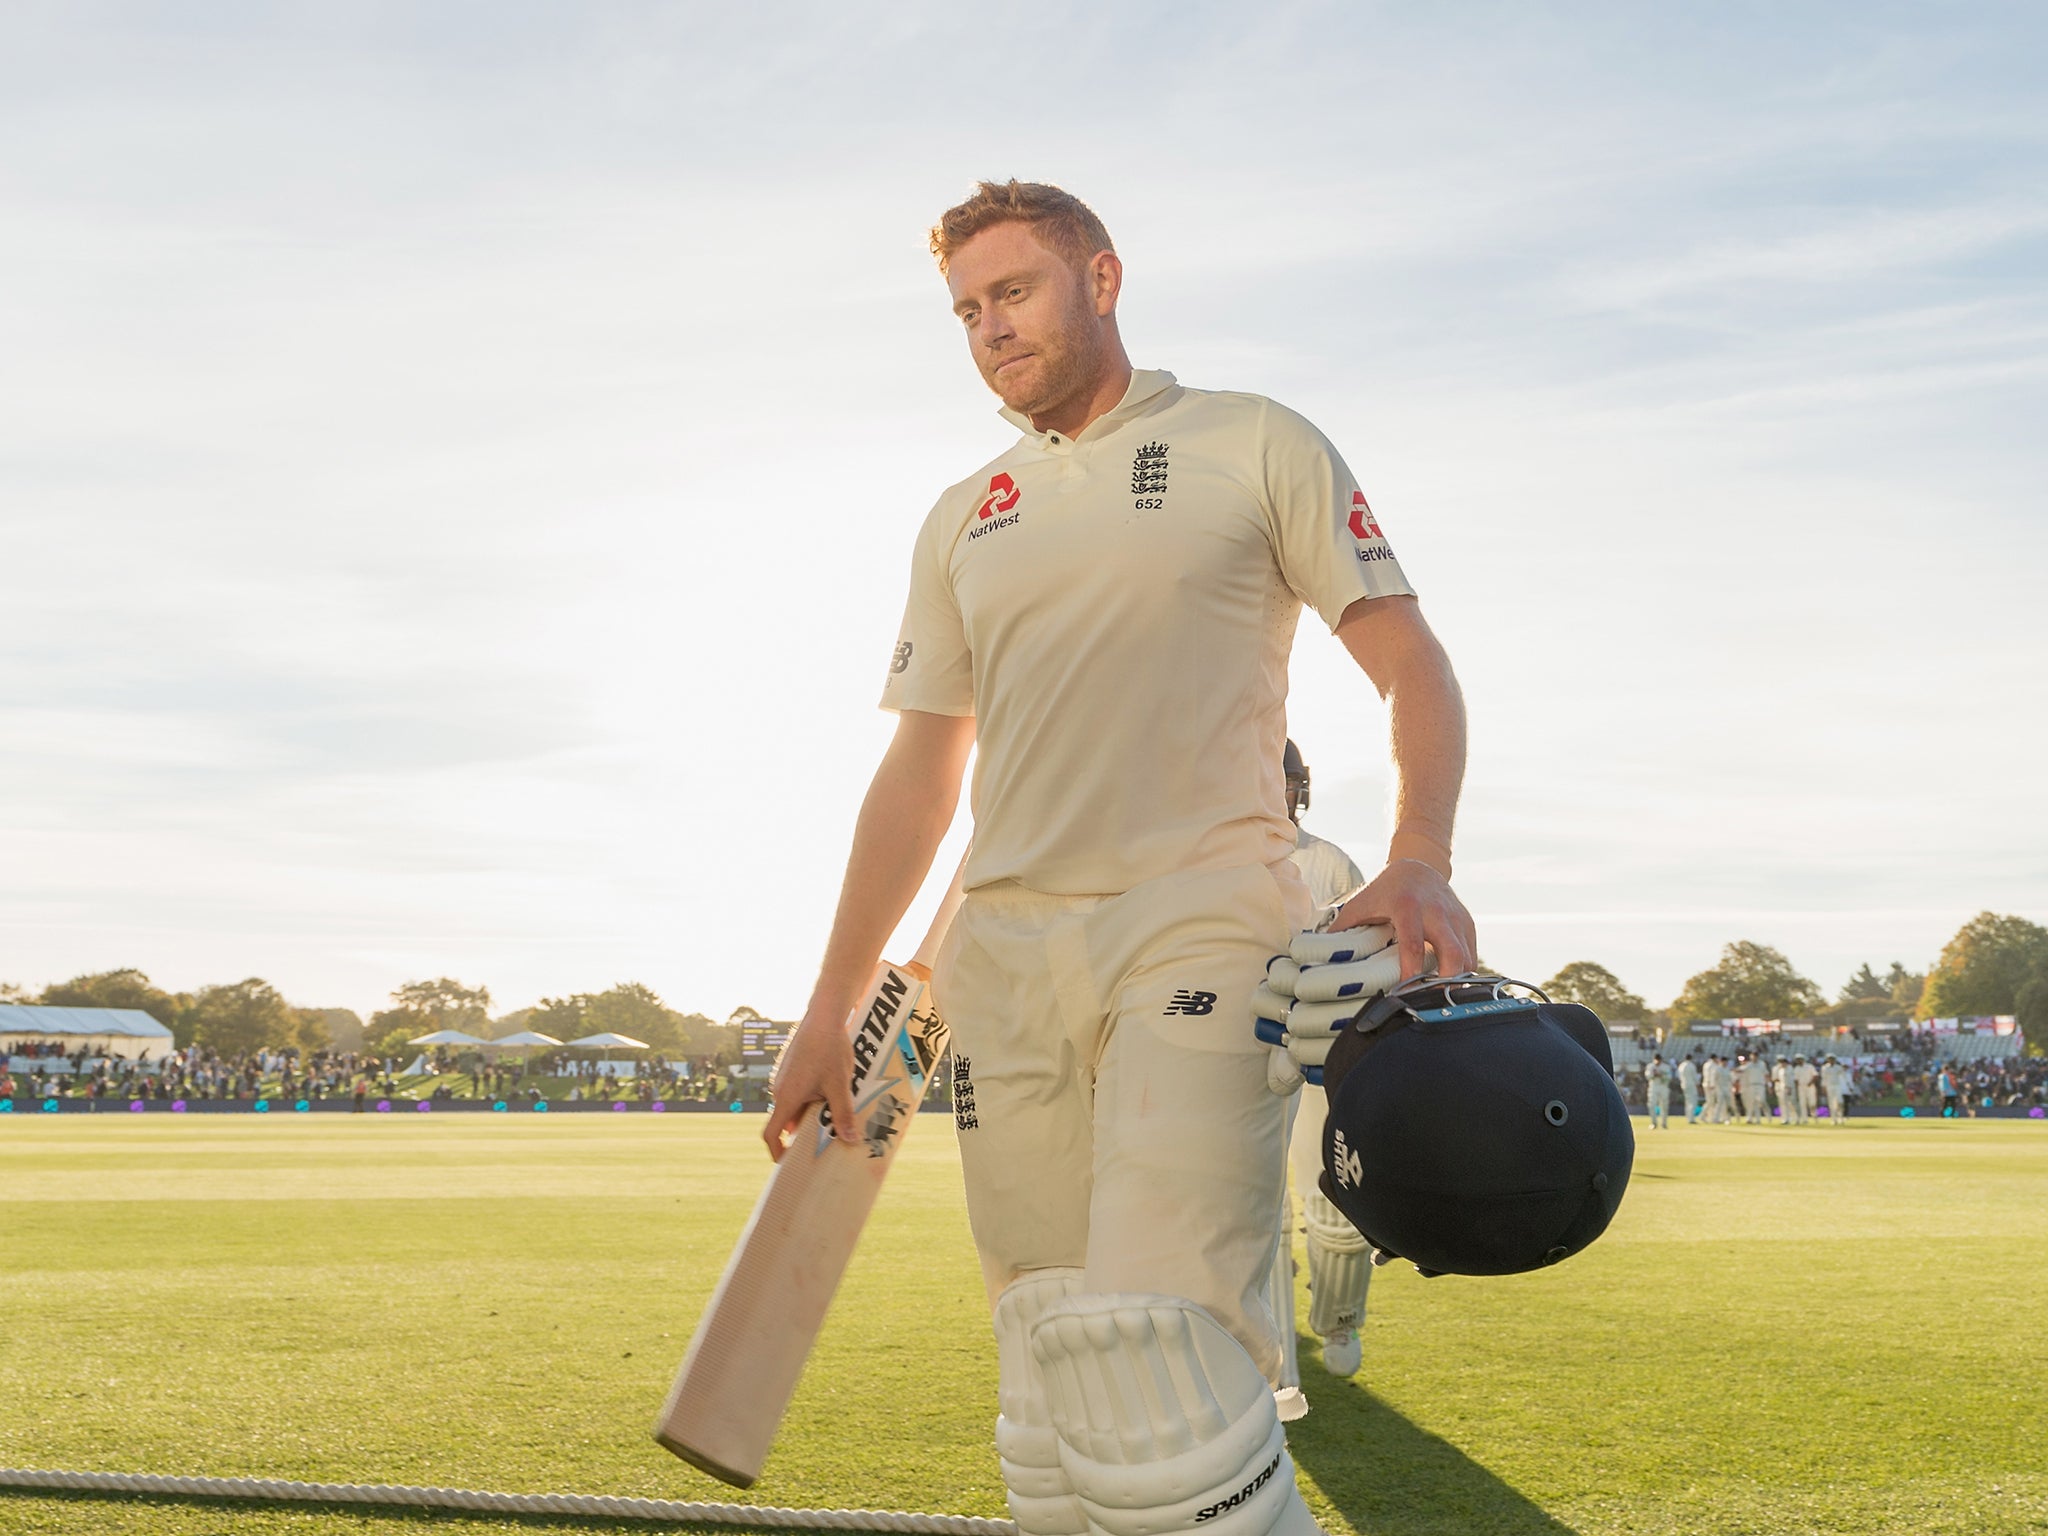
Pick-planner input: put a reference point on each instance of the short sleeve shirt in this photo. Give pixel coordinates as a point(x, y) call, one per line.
point(1116, 611)
point(1325, 868)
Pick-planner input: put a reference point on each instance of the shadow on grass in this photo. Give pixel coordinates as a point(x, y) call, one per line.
point(1389, 1477)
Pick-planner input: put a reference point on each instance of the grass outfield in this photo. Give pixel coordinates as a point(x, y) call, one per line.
point(1785, 1331)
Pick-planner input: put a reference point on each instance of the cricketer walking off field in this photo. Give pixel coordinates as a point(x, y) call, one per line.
point(1105, 611)
point(1657, 1089)
point(1834, 1078)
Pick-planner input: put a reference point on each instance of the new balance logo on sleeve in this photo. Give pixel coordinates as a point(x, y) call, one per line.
point(1191, 1002)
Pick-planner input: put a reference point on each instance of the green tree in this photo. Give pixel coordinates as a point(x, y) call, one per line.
point(11, 993)
point(704, 1036)
point(127, 988)
point(1905, 987)
point(562, 1017)
point(2031, 1009)
point(1866, 984)
point(309, 1030)
point(425, 1006)
point(1753, 981)
point(1599, 989)
point(633, 1010)
point(243, 1016)
point(1982, 969)
point(344, 1027)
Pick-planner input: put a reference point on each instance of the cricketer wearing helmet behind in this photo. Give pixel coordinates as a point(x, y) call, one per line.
point(1104, 612)
point(1339, 1268)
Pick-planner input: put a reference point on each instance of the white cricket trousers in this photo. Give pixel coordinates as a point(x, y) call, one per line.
point(1120, 1120)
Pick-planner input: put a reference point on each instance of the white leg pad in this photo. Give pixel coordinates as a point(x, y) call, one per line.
point(1042, 1501)
point(1165, 1425)
point(1339, 1267)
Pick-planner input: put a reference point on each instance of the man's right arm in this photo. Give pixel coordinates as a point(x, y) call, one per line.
point(908, 808)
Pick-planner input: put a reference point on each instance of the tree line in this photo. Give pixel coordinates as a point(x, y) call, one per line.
point(239, 1017)
point(1995, 964)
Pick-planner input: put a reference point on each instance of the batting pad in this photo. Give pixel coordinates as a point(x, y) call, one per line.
point(1164, 1423)
point(1042, 1501)
point(1339, 1267)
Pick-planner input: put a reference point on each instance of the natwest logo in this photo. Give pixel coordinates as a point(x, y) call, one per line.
point(1002, 495)
point(1363, 526)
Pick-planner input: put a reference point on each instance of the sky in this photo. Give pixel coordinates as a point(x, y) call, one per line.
point(458, 462)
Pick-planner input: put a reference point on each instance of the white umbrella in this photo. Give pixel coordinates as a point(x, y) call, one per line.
point(526, 1037)
point(610, 1041)
point(449, 1037)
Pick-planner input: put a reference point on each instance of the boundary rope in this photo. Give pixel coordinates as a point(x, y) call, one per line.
point(580, 1504)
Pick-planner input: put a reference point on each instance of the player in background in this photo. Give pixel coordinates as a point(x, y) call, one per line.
point(1833, 1080)
point(1753, 1074)
point(1339, 1267)
point(1713, 1079)
point(1104, 612)
point(1689, 1086)
point(1657, 1090)
point(1806, 1084)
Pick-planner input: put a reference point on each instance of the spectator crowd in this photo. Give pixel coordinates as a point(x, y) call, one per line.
point(44, 1070)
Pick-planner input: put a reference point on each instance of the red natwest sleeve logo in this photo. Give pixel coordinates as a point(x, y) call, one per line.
point(1002, 495)
point(1363, 524)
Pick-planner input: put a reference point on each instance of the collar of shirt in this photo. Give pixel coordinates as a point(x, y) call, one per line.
point(1146, 384)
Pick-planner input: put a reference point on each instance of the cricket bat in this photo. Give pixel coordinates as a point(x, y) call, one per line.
point(750, 1346)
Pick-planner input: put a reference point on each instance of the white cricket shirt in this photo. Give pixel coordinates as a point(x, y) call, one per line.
point(1115, 611)
point(1326, 869)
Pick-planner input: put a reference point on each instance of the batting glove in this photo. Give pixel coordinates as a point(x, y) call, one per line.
point(1313, 992)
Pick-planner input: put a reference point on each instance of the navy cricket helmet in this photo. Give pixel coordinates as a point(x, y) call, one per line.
point(1473, 1131)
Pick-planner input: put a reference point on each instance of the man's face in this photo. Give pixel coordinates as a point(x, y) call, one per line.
point(1033, 325)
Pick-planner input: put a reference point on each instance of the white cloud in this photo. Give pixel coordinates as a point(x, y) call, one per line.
point(459, 466)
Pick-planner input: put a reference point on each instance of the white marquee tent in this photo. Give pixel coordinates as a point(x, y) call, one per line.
point(125, 1032)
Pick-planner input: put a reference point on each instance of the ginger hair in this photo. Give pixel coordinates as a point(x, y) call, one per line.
point(1059, 219)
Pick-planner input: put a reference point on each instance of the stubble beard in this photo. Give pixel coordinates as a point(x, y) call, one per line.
point(1068, 364)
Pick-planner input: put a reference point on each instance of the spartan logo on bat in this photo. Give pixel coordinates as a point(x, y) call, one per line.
point(927, 1034)
point(884, 1124)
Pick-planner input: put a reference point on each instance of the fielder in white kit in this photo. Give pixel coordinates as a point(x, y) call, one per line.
point(1107, 608)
